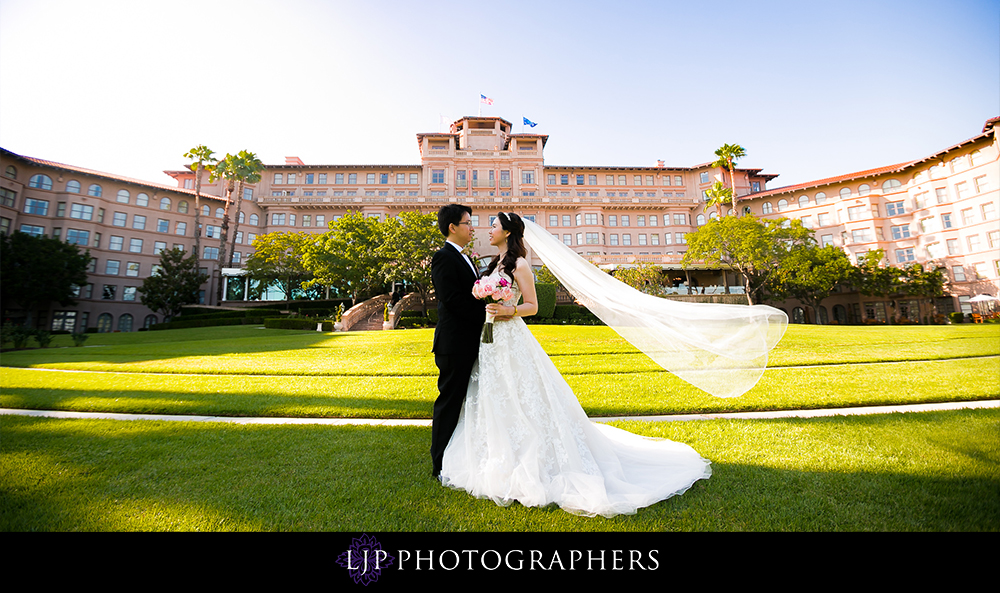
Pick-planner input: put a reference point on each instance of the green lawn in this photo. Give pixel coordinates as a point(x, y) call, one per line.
point(907, 472)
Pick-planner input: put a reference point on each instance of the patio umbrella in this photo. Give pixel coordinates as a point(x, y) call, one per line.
point(983, 298)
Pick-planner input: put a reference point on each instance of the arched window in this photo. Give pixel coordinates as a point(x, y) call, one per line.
point(890, 184)
point(242, 217)
point(182, 206)
point(11, 171)
point(73, 186)
point(803, 201)
point(254, 220)
point(820, 198)
point(747, 210)
point(782, 205)
point(165, 204)
point(123, 196)
point(219, 212)
point(125, 323)
point(729, 212)
point(149, 321)
point(95, 190)
point(845, 193)
point(864, 189)
point(206, 210)
point(976, 157)
point(798, 315)
point(713, 216)
point(40, 181)
point(700, 220)
point(141, 200)
point(104, 323)
point(766, 208)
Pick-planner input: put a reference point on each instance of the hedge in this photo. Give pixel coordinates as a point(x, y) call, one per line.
point(546, 294)
point(296, 323)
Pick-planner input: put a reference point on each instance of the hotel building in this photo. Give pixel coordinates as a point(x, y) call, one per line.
point(941, 209)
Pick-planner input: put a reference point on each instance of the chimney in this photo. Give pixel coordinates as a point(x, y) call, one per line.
point(294, 160)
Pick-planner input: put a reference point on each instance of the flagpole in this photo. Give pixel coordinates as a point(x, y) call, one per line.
point(480, 114)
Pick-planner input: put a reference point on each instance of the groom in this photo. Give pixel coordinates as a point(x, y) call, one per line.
point(460, 321)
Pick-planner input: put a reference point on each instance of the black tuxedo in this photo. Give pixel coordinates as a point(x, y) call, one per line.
point(456, 342)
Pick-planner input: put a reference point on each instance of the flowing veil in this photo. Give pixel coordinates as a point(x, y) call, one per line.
point(720, 349)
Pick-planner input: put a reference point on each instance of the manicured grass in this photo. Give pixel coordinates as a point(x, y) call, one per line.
point(914, 472)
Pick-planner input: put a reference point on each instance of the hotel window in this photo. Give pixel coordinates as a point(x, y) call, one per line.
point(61, 209)
point(614, 240)
point(291, 178)
point(678, 180)
point(621, 180)
point(123, 197)
point(239, 237)
point(642, 239)
point(251, 237)
point(322, 178)
point(864, 189)
point(680, 238)
point(890, 185)
point(807, 222)
point(77, 237)
point(609, 180)
point(370, 178)
point(119, 219)
point(766, 208)
point(237, 256)
point(159, 247)
point(413, 179)
point(782, 205)
point(626, 239)
point(920, 200)
point(653, 220)
point(108, 294)
point(338, 179)
point(550, 179)
point(952, 246)
point(826, 241)
point(968, 216)
point(680, 219)
point(111, 267)
point(400, 178)
point(139, 223)
point(901, 232)
point(640, 220)
point(590, 219)
point(625, 221)
point(564, 180)
point(959, 273)
point(352, 178)
point(320, 220)
point(40, 182)
point(989, 211)
point(973, 243)
point(591, 179)
point(946, 221)
point(116, 243)
point(935, 251)
point(994, 239)
point(845, 193)
point(81, 212)
point(278, 179)
point(553, 220)
point(855, 213)
point(666, 180)
point(165, 204)
point(277, 219)
point(132, 269)
point(181, 228)
point(306, 220)
point(926, 224)
point(821, 198)
point(33, 206)
point(593, 239)
point(654, 239)
point(7, 197)
point(528, 177)
point(613, 220)
point(894, 209)
point(291, 220)
point(309, 178)
point(567, 239)
point(254, 219)
point(668, 239)
point(982, 184)
point(823, 219)
point(437, 176)
point(135, 245)
point(637, 180)
point(861, 235)
point(700, 220)
point(704, 177)
point(803, 201)
point(210, 253)
point(962, 190)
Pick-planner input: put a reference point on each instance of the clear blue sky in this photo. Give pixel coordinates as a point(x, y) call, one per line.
point(810, 89)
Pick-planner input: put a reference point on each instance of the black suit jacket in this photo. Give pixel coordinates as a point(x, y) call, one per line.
point(460, 315)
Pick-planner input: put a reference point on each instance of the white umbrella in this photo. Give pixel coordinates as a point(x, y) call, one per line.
point(983, 298)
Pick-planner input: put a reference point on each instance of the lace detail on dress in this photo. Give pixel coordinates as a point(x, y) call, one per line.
point(522, 435)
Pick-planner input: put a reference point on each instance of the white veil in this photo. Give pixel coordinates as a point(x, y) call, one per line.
point(721, 349)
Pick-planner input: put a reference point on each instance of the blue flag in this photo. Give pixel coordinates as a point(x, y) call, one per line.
point(528, 122)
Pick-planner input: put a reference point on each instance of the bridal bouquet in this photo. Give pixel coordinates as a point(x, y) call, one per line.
point(491, 290)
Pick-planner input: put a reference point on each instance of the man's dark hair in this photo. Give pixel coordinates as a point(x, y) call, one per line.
point(450, 214)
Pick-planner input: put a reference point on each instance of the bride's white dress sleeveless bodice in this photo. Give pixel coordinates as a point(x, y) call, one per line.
point(522, 435)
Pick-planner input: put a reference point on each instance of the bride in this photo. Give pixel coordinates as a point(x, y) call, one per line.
point(522, 434)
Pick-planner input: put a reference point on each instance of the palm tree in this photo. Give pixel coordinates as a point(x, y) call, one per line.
point(203, 159)
point(718, 195)
point(727, 157)
point(249, 169)
point(227, 170)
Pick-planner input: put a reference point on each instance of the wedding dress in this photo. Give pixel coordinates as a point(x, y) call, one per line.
point(522, 435)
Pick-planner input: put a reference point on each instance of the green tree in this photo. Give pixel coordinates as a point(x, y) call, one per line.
point(925, 283)
point(726, 157)
point(36, 271)
point(752, 246)
point(873, 278)
point(175, 283)
point(410, 242)
point(203, 159)
point(811, 274)
point(249, 169)
point(718, 196)
point(347, 257)
point(644, 277)
point(277, 258)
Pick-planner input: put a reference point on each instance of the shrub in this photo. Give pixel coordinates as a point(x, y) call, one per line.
point(43, 338)
point(956, 317)
point(79, 339)
point(546, 294)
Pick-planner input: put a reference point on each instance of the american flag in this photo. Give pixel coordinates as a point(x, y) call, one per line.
point(485, 99)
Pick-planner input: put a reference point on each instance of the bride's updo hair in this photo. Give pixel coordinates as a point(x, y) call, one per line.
point(513, 224)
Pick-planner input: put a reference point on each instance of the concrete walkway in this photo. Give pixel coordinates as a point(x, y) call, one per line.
point(426, 422)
